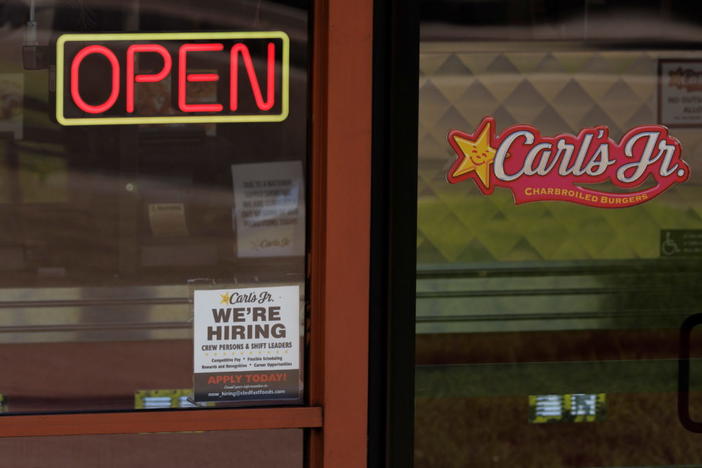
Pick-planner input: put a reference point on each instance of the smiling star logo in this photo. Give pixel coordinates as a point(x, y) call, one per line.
point(224, 298)
point(475, 154)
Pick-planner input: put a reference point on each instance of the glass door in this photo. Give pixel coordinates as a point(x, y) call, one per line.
point(552, 286)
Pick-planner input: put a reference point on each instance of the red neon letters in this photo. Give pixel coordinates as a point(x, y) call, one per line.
point(255, 86)
point(131, 51)
point(183, 76)
point(185, 51)
point(75, 77)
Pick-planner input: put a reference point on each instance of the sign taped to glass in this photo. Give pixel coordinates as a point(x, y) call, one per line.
point(538, 168)
point(246, 344)
point(242, 76)
point(680, 92)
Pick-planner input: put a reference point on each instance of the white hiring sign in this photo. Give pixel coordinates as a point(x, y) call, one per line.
point(246, 343)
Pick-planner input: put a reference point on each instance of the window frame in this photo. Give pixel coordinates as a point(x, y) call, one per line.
point(338, 276)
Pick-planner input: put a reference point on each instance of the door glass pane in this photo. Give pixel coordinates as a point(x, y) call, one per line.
point(548, 331)
point(110, 226)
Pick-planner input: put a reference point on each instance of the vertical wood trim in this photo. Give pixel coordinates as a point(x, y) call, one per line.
point(340, 238)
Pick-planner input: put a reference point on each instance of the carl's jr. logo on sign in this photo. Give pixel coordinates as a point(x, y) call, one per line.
point(645, 163)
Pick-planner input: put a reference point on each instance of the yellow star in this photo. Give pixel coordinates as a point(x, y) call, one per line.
point(477, 155)
point(224, 298)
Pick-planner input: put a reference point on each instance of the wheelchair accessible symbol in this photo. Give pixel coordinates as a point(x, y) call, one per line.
point(668, 246)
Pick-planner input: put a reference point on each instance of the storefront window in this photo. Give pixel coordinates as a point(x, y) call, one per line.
point(110, 227)
point(549, 305)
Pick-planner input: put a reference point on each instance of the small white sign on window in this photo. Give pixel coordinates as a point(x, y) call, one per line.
point(269, 209)
point(680, 93)
point(247, 344)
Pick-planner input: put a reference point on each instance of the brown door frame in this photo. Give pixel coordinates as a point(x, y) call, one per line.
point(338, 273)
point(340, 263)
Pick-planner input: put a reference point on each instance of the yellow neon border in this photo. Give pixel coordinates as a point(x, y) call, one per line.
point(177, 119)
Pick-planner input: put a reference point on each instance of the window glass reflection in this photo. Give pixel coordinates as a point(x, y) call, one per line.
point(107, 227)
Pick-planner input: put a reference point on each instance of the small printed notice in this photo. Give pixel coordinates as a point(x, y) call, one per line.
point(681, 243)
point(680, 93)
point(167, 219)
point(572, 407)
point(269, 209)
point(247, 344)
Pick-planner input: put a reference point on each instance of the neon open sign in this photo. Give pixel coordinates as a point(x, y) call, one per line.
point(111, 79)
